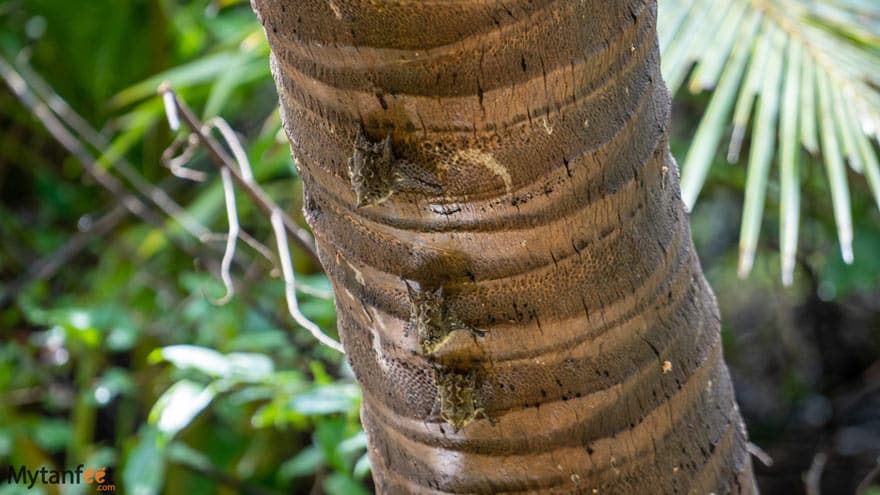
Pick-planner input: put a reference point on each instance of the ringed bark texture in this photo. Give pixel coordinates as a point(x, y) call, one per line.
point(585, 354)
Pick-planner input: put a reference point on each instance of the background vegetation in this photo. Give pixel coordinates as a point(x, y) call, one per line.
point(114, 352)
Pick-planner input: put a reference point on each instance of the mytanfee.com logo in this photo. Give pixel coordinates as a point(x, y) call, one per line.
point(99, 477)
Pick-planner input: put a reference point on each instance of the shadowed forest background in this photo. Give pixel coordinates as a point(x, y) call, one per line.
point(113, 348)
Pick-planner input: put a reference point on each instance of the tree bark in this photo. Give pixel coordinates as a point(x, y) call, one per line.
point(524, 308)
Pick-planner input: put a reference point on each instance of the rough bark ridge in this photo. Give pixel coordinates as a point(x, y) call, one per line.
point(524, 308)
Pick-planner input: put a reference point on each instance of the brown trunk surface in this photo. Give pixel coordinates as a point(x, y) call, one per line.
point(518, 295)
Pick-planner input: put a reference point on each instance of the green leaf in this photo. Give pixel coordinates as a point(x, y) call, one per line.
point(328, 435)
point(114, 382)
point(340, 484)
point(808, 106)
point(242, 72)
point(761, 154)
point(835, 169)
point(319, 373)
point(144, 471)
point(671, 14)
point(683, 49)
point(304, 463)
point(202, 70)
point(838, 38)
point(789, 151)
point(52, 434)
point(752, 85)
point(846, 131)
point(122, 338)
point(354, 444)
point(250, 366)
point(5, 442)
point(181, 453)
point(706, 74)
point(363, 467)
point(208, 361)
point(872, 168)
point(327, 399)
point(713, 124)
point(21, 490)
point(179, 405)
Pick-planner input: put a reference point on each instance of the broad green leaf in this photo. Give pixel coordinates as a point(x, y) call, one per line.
point(250, 366)
point(354, 444)
point(362, 467)
point(115, 382)
point(327, 399)
point(319, 373)
point(339, 484)
point(203, 359)
point(52, 434)
point(144, 471)
point(182, 453)
point(304, 463)
point(329, 433)
point(179, 405)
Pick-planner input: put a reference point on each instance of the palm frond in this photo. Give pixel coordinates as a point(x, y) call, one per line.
point(797, 73)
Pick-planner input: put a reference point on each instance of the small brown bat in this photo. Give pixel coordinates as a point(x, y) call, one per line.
point(376, 174)
point(432, 320)
point(456, 392)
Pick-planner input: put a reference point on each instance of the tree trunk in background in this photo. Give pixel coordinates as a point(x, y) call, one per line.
point(557, 228)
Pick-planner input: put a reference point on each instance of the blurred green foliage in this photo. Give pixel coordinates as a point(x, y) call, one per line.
point(121, 358)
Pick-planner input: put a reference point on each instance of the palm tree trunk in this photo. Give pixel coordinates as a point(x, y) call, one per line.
point(518, 295)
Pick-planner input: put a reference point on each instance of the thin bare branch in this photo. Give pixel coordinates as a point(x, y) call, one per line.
point(239, 169)
point(231, 238)
point(248, 239)
point(760, 454)
point(176, 159)
point(258, 247)
point(315, 292)
point(79, 125)
point(63, 135)
point(290, 284)
point(813, 477)
point(171, 111)
point(49, 120)
point(222, 160)
point(60, 126)
point(244, 165)
point(46, 267)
